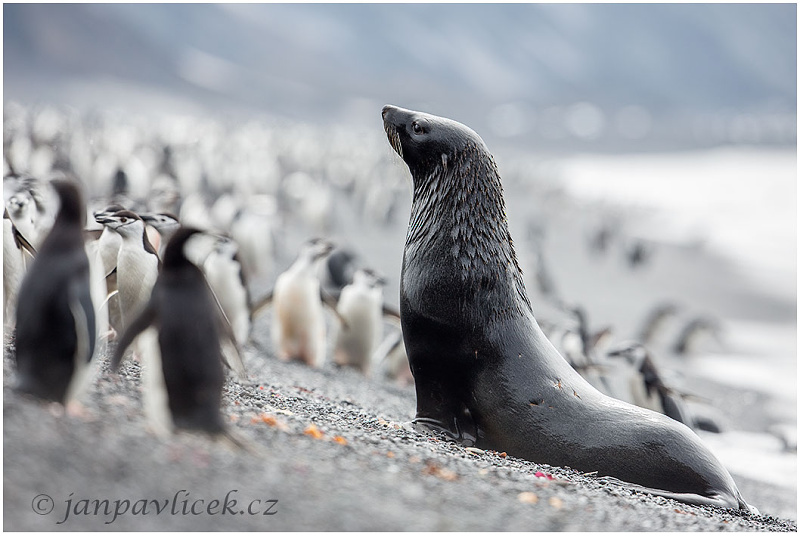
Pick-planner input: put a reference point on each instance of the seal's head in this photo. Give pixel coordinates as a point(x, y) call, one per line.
point(426, 142)
point(458, 243)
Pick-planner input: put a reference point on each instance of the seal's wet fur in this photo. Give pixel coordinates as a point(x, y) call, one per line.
point(484, 371)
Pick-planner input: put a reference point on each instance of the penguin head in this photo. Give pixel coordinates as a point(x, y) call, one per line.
point(633, 352)
point(124, 222)
point(199, 246)
point(72, 209)
point(188, 246)
point(162, 222)
point(18, 203)
point(120, 182)
point(369, 278)
point(226, 246)
point(316, 249)
point(109, 210)
point(340, 265)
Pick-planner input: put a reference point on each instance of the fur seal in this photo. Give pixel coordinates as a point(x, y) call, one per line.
point(484, 370)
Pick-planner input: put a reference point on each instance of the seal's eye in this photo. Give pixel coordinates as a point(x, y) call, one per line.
point(417, 128)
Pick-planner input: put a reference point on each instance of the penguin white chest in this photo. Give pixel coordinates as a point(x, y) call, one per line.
point(137, 271)
point(108, 244)
point(224, 277)
point(13, 270)
point(356, 342)
point(298, 325)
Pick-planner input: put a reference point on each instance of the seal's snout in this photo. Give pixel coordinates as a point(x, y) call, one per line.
point(388, 114)
point(386, 109)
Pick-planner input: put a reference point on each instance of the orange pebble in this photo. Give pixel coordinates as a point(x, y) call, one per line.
point(269, 419)
point(313, 431)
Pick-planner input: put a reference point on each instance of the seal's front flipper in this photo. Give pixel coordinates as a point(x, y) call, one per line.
point(438, 411)
point(452, 430)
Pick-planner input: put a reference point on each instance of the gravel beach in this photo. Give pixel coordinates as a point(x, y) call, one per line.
point(331, 450)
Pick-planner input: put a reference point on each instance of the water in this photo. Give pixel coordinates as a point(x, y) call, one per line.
point(741, 203)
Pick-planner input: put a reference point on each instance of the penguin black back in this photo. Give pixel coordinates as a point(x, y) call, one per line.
point(183, 311)
point(55, 315)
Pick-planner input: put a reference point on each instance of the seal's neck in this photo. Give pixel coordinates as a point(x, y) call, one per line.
point(458, 224)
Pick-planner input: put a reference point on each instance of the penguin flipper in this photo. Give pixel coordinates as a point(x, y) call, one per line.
point(330, 301)
point(262, 303)
point(110, 295)
point(82, 310)
point(229, 347)
point(22, 242)
point(388, 345)
point(139, 324)
point(390, 311)
point(232, 358)
point(91, 234)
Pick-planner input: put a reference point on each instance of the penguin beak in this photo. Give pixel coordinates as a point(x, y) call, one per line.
point(222, 239)
point(322, 247)
point(223, 243)
point(378, 280)
point(327, 247)
point(111, 220)
point(103, 214)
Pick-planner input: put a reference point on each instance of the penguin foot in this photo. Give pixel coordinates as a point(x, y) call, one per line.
point(56, 409)
point(158, 429)
point(110, 335)
point(75, 409)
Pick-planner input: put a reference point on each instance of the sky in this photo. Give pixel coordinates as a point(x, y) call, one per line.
point(599, 75)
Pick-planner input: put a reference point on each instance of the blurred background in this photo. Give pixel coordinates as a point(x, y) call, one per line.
point(648, 152)
point(544, 76)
